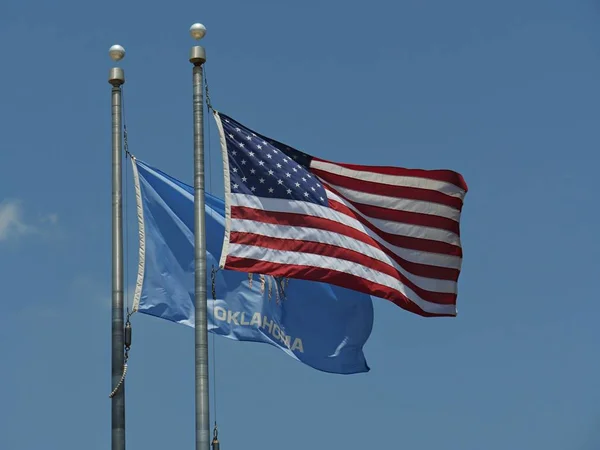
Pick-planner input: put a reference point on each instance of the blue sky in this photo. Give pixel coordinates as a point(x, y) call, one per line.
point(504, 92)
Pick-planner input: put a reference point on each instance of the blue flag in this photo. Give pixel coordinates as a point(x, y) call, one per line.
point(321, 325)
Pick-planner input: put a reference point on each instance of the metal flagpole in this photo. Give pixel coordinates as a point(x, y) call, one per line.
point(116, 79)
point(197, 58)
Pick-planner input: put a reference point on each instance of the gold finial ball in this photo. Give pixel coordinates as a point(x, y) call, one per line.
point(116, 52)
point(198, 31)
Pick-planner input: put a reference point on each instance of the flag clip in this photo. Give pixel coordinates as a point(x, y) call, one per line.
point(215, 442)
point(127, 345)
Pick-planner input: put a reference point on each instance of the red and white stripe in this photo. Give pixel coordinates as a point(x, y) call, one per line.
point(389, 232)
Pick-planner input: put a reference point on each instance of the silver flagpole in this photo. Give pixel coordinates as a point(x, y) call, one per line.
point(116, 79)
point(197, 58)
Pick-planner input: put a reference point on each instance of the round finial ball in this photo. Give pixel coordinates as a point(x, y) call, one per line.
point(198, 31)
point(116, 52)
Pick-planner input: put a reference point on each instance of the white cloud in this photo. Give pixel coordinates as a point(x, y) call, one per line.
point(51, 219)
point(13, 223)
point(11, 220)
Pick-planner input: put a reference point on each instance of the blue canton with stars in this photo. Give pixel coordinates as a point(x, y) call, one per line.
point(263, 167)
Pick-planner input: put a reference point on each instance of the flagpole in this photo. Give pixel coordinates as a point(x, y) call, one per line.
point(197, 58)
point(117, 79)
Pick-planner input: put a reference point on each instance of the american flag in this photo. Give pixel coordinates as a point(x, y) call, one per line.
point(390, 232)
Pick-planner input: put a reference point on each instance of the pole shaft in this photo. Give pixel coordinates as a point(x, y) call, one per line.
point(118, 401)
point(201, 328)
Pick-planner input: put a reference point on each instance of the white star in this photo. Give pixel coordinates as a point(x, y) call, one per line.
point(322, 199)
point(230, 135)
point(269, 155)
point(237, 129)
point(252, 188)
point(311, 187)
point(234, 152)
point(294, 169)
point(306, 194)
point(226, 120)
point(234, 170)
point(288, 174)
point(270, 172)
point(249, 138)
point(241, 144)
point(262, 180)
point(275, 150)
point(243, 162)
point(235, 186)
point(244, 179)
point(252, 170)
point(285, 160)
point(318, 185)
point(278, 166)
point(271, 190)
point(262, 163)
point(299, 166)
point(297, 184)
point(289, 191)
point(303, 179)
point(251, 153)
point(253, 135)
point(259, 147)
point(279, 181)
point(265, 143)
point(308, 175)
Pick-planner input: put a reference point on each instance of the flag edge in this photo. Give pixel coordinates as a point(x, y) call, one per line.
point(142, 237)
point(227, 190)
